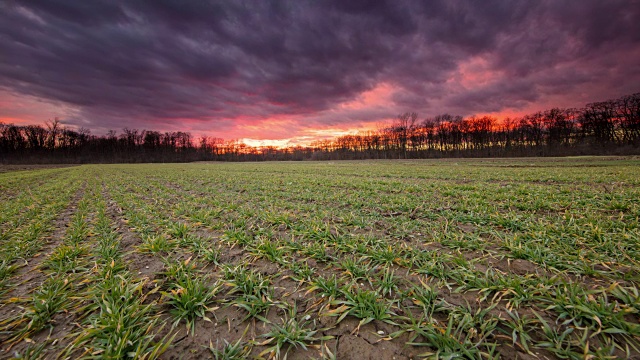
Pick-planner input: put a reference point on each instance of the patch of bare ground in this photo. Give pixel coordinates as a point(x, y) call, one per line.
point(7, 168)
point(226, 325)
point(352, 347)
point(506, 265)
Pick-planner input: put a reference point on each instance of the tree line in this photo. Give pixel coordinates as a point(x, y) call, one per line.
point(600, 128)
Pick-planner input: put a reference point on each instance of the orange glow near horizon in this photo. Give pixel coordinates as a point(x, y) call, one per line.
point(280, 131)
point(307, 137)
point(287, 131)
point(14, 121)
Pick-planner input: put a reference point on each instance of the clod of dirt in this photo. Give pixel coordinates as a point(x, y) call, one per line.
point(357, 348)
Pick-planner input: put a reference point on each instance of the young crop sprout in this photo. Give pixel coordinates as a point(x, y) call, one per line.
point(6, 271)
point(452, 341)
point(156, 244)
point(317, 251)
point(329, 288)
point(179, 271)
point(237, 236)
point(255, 304)
point(210, 255)
point(386, 256)
point(122, 325)
point(427, 299)
point(190, 298)
point(365, 305)
point(291, 332)
point(251, 291)
point(520, 328)
point(238, 350)
point(302, 271)
point(188, 292)
point(430, 263)
point(269, 249)
point(32, 352)
point(387, 282)
point(67, 259)
point(48, 300)
point(356, 269)
point(179, 230)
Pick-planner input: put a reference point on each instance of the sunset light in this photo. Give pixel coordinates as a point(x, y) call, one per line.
point(332, 179)
point(333, 70)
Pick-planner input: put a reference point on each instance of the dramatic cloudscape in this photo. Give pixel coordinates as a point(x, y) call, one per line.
point(286, 72)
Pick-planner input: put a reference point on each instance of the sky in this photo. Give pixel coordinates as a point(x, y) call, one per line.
point(291, 72)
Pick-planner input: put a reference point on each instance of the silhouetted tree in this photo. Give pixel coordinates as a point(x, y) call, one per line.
point(614, 125)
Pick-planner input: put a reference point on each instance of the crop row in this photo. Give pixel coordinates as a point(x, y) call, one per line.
point(412, 259)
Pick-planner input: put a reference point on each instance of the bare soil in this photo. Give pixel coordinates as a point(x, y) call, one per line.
point(7, 168)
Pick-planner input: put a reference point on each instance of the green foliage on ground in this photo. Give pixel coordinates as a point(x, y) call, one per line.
point(459, 258)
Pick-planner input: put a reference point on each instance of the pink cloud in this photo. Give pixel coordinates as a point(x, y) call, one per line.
point(22, 109)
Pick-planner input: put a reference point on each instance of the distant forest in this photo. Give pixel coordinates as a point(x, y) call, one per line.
point(603, 128)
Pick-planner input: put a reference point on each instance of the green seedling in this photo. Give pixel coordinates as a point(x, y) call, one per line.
point(291, 332)
point(238, 350)
point(387, 283)
point(155, 244)
point(363, 304)
point(190, 298)
point(122, 325)
point(67, 259)
point(329, 288)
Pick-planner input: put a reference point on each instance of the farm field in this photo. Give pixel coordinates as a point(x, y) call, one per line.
point(476, 258)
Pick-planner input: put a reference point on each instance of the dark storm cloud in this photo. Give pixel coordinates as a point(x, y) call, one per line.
point(160, 61)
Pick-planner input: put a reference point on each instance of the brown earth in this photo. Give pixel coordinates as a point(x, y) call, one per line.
point(7, 168)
